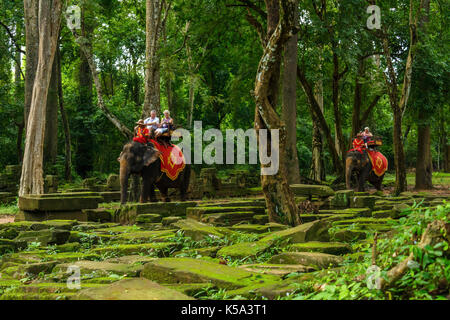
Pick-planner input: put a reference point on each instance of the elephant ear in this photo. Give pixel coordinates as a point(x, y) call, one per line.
point(150, 156)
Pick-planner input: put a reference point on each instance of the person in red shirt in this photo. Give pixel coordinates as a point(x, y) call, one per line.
point(141, 133)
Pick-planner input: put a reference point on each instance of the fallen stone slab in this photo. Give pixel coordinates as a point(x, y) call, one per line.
point(244, 249)
point(311, 231)
point(363, 201)
point(59, 202)
point(44, 237)
point(251, 228)
point(78, 215)
point(100, 215)
point(100, 268)
point(277, 269)
point(227, 218)
point(200, 212)
point(349, 235)
point(147, 236)
point(127, 214)
point(336, 248)
point(197, 230)
point(341, 199)
point(132, 289)
point(189, 270)
point(315, 260)
point(311, 190)
point(148, 218)
point(155, 249)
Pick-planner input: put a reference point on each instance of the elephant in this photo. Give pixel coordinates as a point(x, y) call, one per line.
point(137, 158)
point(359, 164)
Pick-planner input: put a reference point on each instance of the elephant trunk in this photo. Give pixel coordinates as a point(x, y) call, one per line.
point(124, 176)
point(348, 172)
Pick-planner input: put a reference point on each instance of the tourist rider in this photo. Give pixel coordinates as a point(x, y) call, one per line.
point(166, 123)
point(141, 132)
point(366, 135)
point(152, 122)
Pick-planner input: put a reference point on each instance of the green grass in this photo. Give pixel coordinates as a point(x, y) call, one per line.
point(439, 178)
point(9, 209)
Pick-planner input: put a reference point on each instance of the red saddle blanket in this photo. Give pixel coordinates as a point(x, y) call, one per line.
point(172, 159)
point(379, 162)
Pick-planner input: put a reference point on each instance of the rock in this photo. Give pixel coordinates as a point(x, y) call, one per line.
point(349, 235)
point(56, 224)
point(127, 214)
point(154, 249)
point(132, 289)
point(58, 202)
point(147, 236)
point(251, 228)
point(8, 233)
point(335, 248)
point(383, 214)
point(204, 252)
point(244, 249)
point(110, 196)
point(51, 184)
point(45, 237)
point(276, 269)
point(197, 230)
point(113, 182)
point(189, 270)
point(363, 201)
point(99, 215)
point(35, 268)
point(311, 190)
point(260, 218)
point(148, 218)
point(341, 199)
point(316, 260)
point(166, 221)
point(100, 268)
point(311, 231)
point(223, 215)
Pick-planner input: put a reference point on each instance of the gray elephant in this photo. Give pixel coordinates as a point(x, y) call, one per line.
point(137, 158)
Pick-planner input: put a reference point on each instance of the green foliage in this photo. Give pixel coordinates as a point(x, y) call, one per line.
point(428, 277)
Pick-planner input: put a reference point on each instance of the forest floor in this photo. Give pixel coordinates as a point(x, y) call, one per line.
point(227, 249)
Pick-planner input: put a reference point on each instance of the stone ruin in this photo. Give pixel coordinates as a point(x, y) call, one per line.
point(177, 250)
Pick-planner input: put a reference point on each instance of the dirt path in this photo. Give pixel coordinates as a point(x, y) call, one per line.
point(6, 219)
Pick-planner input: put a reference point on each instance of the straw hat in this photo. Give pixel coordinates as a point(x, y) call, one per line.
point(140, 122)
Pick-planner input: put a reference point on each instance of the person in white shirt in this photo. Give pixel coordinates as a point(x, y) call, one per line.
point(152, 122)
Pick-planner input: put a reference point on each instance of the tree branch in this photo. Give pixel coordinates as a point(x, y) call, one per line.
point(12, 38)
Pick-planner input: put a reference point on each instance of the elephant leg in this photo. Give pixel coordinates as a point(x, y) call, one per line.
point(364, 174)
point(144, 191)
point(152, 194)
point(165, 193)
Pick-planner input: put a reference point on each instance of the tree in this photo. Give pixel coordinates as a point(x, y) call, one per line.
point(156, 17)
point(399, 102)
point(31, 181)
point(281, 25)
point(289, 110)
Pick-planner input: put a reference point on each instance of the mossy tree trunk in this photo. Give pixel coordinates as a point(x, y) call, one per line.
point(281, 22)
point(31, 180)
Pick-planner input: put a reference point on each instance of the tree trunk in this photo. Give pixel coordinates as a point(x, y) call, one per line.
point(51, 119)
point(31, 180)
point(31, 11)
point(317, 162)
point(338, 137)
point(65, 122)
point(289, 111)
point(278, 195)
point(18, 96)
point(316, 111)
point(357, 100)
point(399, 154)
point(155, 22)
point(424, 166)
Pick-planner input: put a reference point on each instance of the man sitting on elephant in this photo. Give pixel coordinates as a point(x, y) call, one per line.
point(366, 135)
point(141, 132)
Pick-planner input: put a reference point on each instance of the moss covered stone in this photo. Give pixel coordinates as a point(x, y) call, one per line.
point(244, 249)
point(277, 269)
point(197, 230)
point(316, 260)
point(141, 248)
point(335, 248)
point(311, 231)
point(189, 270)
point(132, 289)
point(148, 218)
point(311, 190)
